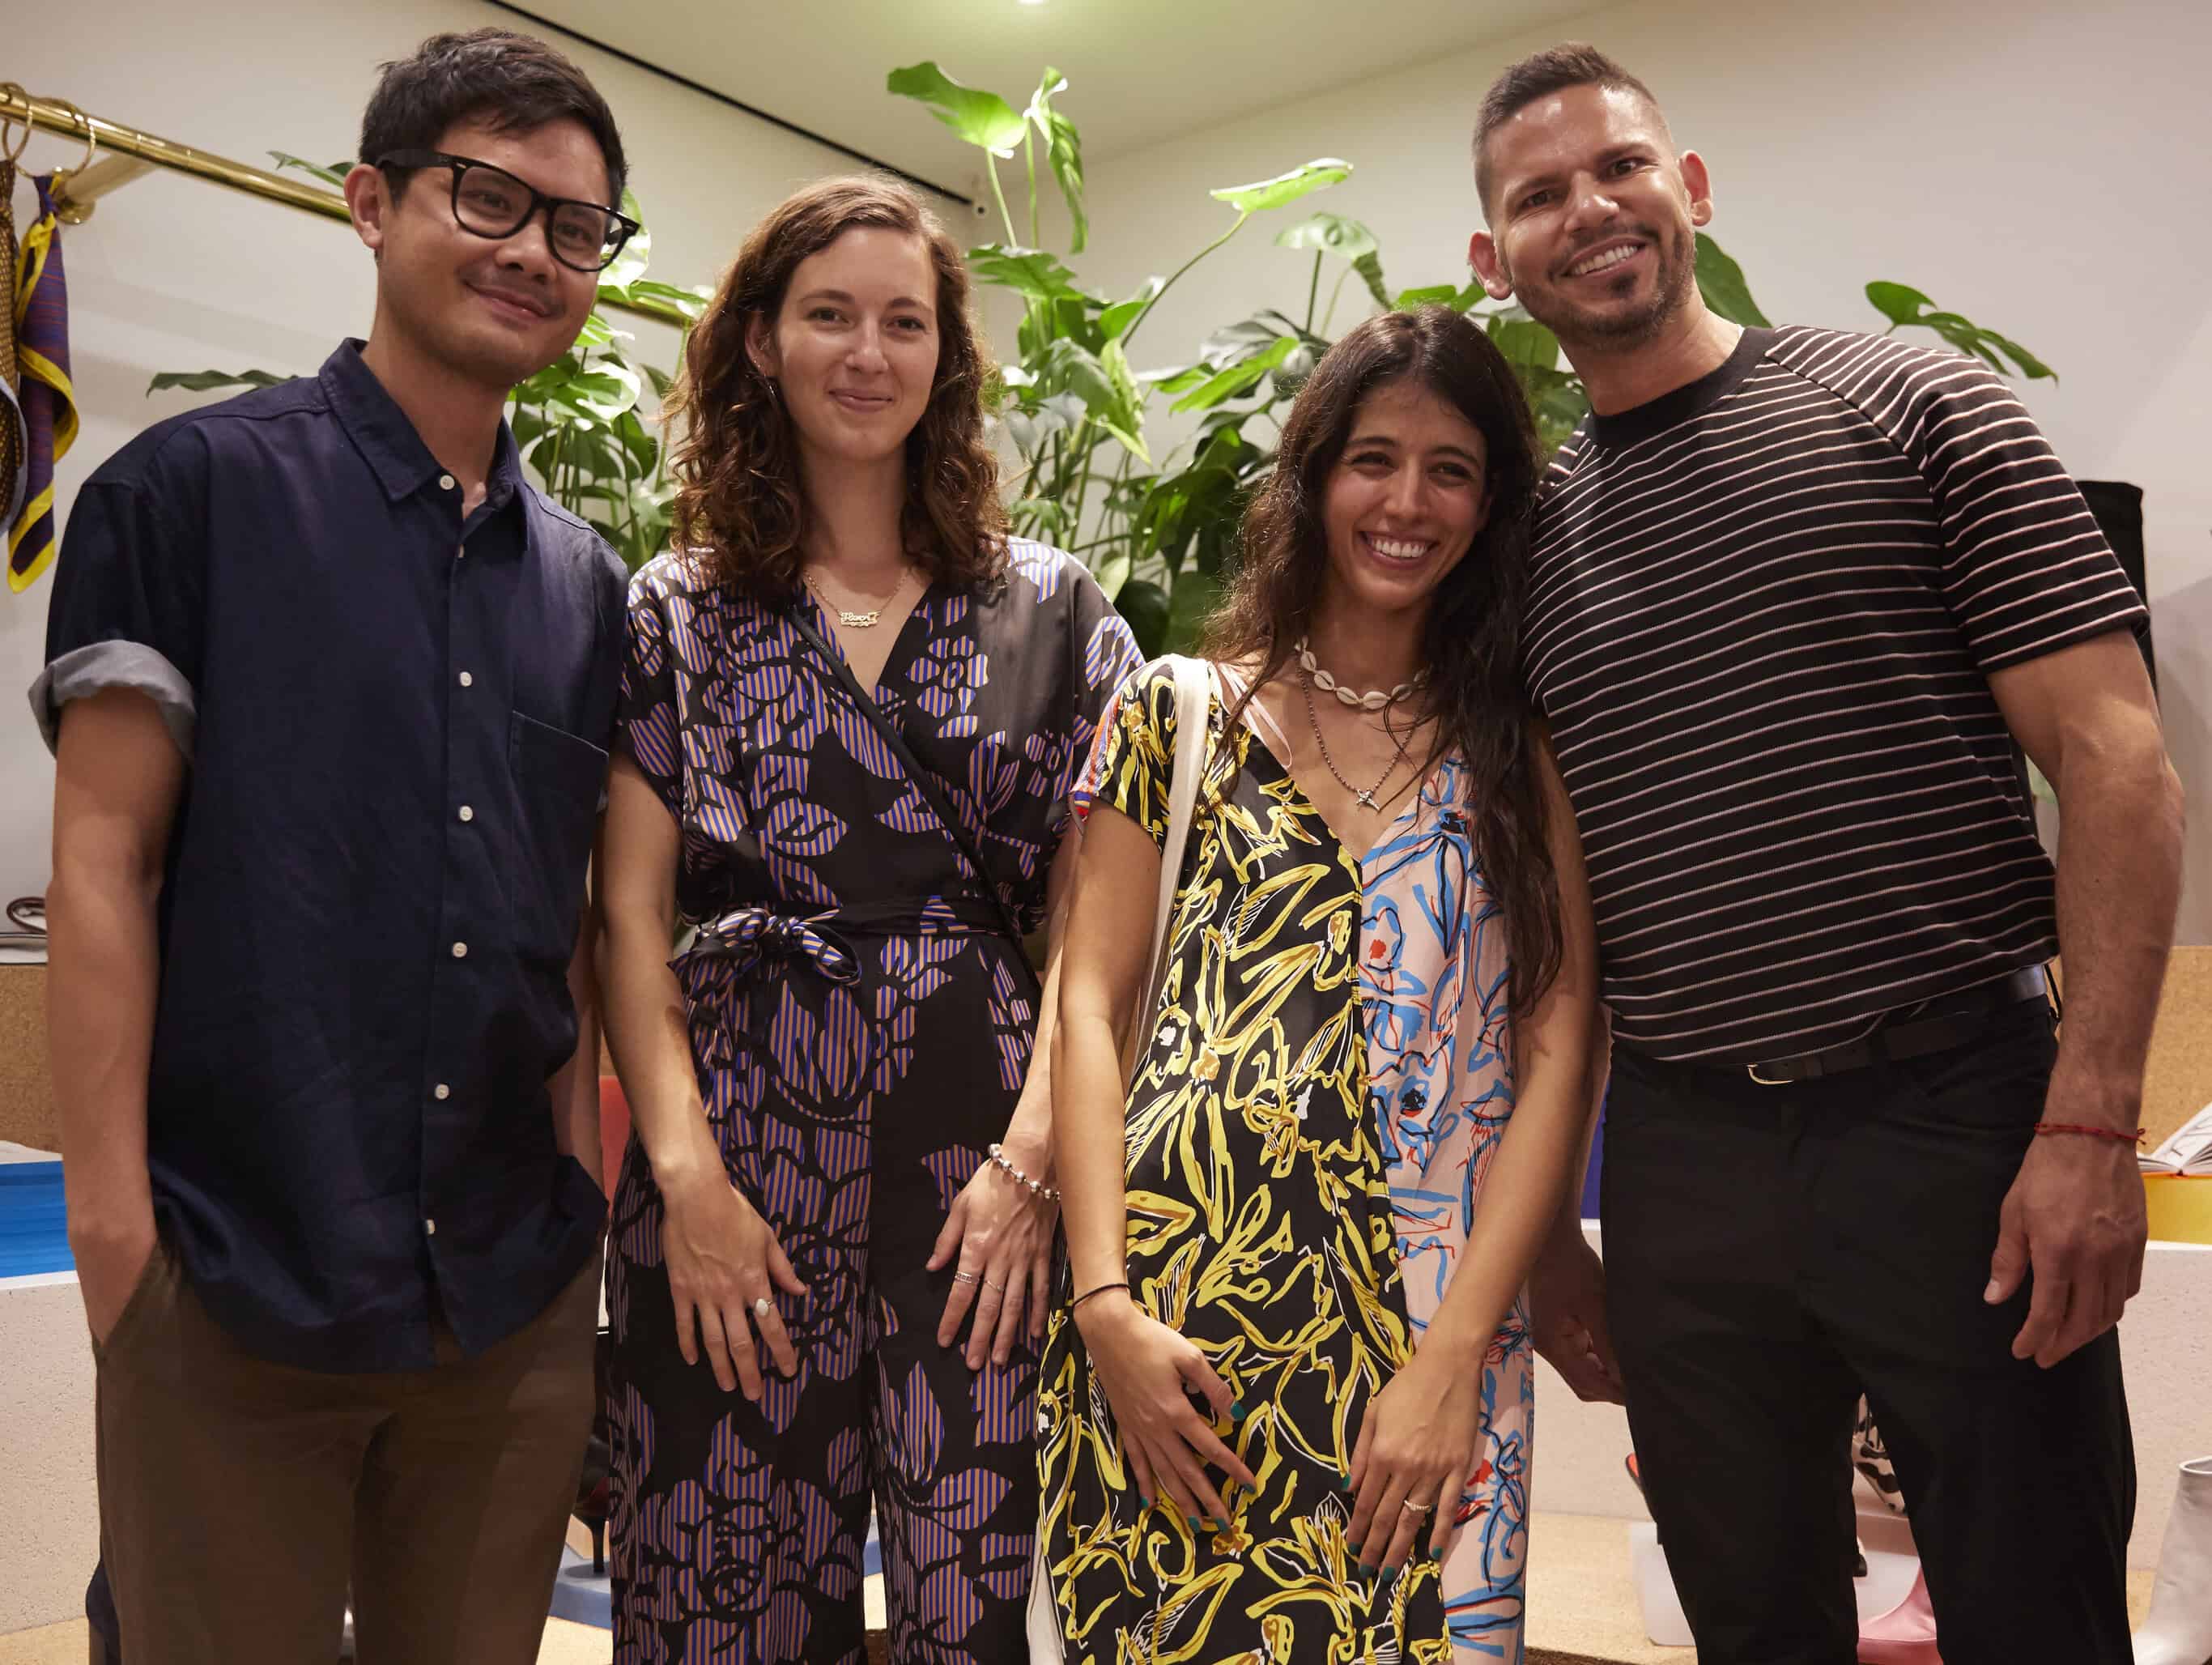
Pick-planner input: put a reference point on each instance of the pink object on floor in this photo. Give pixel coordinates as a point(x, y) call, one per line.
point(1906, 1635)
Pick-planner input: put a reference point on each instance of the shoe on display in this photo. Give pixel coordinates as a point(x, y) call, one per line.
point(2178, 1630)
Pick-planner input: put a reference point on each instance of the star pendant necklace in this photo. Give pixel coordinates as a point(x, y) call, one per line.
point(1366, 797)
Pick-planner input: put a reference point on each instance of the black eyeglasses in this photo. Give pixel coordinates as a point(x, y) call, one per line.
point(490, 201)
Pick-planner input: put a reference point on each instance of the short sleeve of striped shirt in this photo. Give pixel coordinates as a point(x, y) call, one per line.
point(2025, 571)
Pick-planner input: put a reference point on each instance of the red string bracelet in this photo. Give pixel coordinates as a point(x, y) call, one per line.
point(2120, 1133)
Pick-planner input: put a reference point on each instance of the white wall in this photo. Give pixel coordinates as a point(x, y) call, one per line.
point(2037, 167)
point(172, 274)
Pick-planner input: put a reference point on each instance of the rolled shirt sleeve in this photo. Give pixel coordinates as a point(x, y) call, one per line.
point(127, 607)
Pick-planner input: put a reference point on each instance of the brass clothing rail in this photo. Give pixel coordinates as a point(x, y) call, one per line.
point(131, 154)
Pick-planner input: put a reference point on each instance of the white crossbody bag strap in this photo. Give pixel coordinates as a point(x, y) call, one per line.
point(1192, 681)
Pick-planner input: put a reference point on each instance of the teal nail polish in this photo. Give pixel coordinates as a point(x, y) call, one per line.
point(1193, 1519)
point(1237, 1410)
point(1344, 1482)
point(1366, 1571)
point(1437, 1554)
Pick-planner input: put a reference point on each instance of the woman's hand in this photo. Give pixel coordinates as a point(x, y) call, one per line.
point(721, 1259)
point(1001, 1234)
point(1416, 1444)
point(1149, 1373)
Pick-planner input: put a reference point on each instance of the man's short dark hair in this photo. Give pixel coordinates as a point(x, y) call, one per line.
point(514, 82)
point(1571, 64)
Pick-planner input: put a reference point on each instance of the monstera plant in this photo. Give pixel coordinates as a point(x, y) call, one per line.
point(1157, 524)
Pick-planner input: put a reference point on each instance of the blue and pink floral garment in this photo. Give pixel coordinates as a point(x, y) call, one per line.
point(861, 1031)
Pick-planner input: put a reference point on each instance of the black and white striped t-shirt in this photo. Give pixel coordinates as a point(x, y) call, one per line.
point(1763, 612)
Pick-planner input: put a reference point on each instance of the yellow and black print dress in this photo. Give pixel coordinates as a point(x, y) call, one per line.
point(1327, 1076)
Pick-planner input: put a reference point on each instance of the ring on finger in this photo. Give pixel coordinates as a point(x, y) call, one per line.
point(762, 1306)
point(966, 1277)
point(1412, 1508)
point(987, 1284)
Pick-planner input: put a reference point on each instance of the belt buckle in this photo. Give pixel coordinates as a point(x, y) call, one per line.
point(1753, 1071)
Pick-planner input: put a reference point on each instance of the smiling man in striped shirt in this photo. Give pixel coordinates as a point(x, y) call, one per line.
point(1796, 595)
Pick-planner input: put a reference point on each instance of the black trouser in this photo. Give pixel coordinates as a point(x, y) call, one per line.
point(1772, 1251)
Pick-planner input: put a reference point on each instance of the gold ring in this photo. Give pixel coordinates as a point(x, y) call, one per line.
point(965, 1277)
point(1412, 1508)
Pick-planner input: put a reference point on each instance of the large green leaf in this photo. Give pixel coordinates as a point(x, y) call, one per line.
point(1331, 233)
point(691, 301)
point(1369, 268)
point(1126, 423)
point(1064, 146)
point(1433, 295)
point(1720, 281)
point(1037, 273)
point(1190, 603)
point(1116, 320)
point(576, 397)
point(1347, 239)
point(1144, 605)
point(1229, 383)
point(982, 118)
point(201, 382)
point(1899, 303)
point(1524, 340)
point(1111, 569)
point(1441, 294)
point(1285, 188)
point(1905, 306)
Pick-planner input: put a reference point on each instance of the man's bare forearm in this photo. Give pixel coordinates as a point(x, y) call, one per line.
point(103, 970)
point(2119, 884)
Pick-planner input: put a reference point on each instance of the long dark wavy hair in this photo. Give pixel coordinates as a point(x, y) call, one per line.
point(1471, 637)
point(740, 503)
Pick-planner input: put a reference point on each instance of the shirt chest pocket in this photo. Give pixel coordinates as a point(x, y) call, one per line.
point(558, 780)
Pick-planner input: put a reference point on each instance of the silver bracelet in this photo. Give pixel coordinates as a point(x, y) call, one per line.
point(1038, 1188)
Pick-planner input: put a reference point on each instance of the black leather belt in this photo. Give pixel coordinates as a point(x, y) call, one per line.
point(1950, 1020)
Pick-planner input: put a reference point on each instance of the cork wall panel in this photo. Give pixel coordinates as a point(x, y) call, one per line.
point(27, 1100)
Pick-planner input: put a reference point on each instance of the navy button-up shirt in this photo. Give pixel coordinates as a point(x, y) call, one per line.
point(397, 723)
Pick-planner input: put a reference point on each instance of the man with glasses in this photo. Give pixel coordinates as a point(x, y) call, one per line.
point(330, 685)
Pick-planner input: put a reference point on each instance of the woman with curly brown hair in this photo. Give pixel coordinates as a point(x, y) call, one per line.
point(1285, 1412)
point(851, 714)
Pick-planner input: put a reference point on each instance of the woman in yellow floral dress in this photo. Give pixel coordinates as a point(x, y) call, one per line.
point(1285, 1400)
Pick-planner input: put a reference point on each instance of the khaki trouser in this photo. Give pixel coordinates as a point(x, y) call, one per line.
point(238, 1497)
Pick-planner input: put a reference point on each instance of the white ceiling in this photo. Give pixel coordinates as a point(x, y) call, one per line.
point(1139, 71)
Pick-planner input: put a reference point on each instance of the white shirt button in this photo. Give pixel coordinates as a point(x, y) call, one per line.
point(467, 814)
point(445, 482)
point(442, 1091)
point(429, 1228)
point(467, 681)
point(460, 951)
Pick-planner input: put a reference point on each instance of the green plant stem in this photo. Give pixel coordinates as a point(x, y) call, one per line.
point(1238, 225)
point(1313, 290)
point(1029, 160)
point(991, 164)
point(1332, 295)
